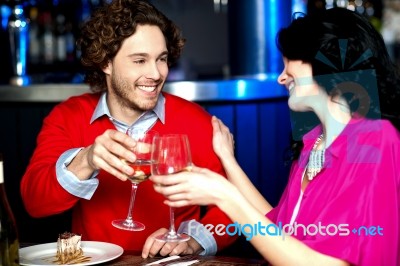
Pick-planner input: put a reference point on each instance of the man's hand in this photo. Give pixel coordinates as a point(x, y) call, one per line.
point(152, 247)
point(105, 153)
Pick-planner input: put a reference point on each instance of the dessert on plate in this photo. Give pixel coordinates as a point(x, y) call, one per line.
point(69, 250)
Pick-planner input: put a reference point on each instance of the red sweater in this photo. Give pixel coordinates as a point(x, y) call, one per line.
point(68, 126)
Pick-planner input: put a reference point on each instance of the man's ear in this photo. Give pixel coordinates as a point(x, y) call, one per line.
point(107, 69)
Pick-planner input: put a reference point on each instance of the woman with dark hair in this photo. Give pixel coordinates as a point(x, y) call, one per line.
point(341, 203)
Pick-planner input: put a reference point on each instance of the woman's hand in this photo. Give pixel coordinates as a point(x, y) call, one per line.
point(198, 187)
point(223, 142)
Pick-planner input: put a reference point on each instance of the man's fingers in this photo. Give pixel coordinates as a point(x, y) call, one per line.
point(181, 249)
point(167, 248)
point(152, 246)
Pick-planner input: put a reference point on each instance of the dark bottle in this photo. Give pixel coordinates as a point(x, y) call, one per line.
point(34, 38)
point(9, 244)
point(48, 39)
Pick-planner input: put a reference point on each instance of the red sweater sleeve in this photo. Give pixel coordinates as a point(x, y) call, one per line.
point(41, 193)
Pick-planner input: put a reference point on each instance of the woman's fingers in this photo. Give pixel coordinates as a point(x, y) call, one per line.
point(171, 190)
point(173, 179)
point(178, 204)
point(176, 195)
point(164, 180)
point(198, 187)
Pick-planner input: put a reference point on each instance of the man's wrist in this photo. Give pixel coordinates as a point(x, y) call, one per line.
point(195, 246)
point(201, 235)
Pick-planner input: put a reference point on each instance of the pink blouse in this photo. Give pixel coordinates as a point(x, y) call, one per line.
point(351, 210)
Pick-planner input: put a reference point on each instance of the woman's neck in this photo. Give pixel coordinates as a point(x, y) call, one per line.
point(334, 117)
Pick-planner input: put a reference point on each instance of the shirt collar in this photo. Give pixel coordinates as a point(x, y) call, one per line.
point(349, 130)
point(102, 109)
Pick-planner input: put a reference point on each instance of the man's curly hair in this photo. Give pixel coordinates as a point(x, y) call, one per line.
point(102, 36)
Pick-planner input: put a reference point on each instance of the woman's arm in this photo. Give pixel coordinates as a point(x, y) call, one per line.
point(204, 187)
point(278, 250)
point(223, 144)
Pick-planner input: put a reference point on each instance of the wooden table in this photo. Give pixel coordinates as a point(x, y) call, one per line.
point(131, 259)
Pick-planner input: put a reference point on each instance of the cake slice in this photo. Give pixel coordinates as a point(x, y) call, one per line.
point(69, 248)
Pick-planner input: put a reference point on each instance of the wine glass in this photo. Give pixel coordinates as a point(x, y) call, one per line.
point(142, 172)
point(171, 154)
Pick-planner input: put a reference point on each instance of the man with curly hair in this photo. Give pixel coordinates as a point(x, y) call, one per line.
point(127, 48)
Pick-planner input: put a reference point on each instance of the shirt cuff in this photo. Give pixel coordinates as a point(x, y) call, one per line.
point(197, 231)
point(70, 182)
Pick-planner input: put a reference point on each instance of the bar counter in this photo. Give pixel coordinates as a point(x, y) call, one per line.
point(199, 91)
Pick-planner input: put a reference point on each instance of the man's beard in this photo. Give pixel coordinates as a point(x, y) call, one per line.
point(122, 91)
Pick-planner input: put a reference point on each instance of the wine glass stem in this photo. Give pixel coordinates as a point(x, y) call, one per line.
point(132, 202)
point(172, 221)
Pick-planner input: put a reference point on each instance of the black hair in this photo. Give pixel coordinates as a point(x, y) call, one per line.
point(348, 57)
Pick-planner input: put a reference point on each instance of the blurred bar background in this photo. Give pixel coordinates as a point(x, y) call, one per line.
point(229, 66)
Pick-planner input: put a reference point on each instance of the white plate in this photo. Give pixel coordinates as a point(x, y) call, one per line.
point(43, 254)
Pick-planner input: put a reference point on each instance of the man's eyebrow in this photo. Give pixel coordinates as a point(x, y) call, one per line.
point(146, 54)
point(138, 54)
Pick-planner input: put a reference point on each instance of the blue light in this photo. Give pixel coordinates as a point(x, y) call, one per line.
point(299, 6)
point(279, 14)
point(241, 88)
point(5, 13)
point(24, 49)
point(261, 37)
point(274, 16)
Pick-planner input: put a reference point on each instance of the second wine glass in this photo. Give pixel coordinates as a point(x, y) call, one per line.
point(142, 150)
point(171, 154)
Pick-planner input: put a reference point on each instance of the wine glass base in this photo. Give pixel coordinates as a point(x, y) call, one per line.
point(168, 237)
point(128, 225)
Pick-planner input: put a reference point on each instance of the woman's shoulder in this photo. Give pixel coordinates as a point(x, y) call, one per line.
point(389, 128)
point(378, 129)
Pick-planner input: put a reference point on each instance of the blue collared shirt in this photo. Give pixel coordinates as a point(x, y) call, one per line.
point(86, 188)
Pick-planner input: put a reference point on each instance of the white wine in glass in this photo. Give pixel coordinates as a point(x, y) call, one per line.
point(171, 154)
point(142, 167)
